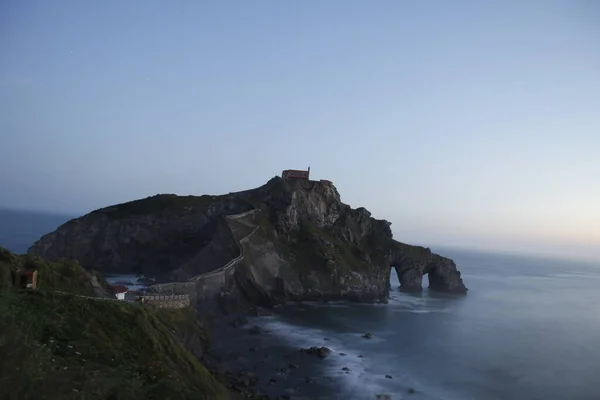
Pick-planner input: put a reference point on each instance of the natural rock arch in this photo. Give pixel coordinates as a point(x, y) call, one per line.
point(412, 265)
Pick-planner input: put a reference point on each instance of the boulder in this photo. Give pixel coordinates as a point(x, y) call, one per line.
point(319, 351)
point(257, 330)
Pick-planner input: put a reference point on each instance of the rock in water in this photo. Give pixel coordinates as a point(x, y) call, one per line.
point(319, 351)
point(286, 240)
point(257, 330)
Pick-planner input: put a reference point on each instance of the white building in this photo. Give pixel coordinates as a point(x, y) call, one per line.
point(119, 292)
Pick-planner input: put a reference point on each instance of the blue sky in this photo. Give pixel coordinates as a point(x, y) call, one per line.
point(464, 123)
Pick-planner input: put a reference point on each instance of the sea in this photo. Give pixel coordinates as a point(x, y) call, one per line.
point(529, 328)
point(130, 281)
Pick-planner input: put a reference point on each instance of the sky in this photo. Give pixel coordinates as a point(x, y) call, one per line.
point(464, 123)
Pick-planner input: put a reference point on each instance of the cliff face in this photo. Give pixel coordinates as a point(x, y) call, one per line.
point(156, 236)
point(299, 242)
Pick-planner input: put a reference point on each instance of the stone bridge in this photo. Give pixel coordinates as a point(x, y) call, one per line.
point(210, 283)
point(165, 301)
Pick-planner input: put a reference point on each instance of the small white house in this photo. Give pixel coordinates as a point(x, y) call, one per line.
point(119, 292)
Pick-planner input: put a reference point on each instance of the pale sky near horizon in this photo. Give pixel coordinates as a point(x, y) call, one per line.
point(464, 123)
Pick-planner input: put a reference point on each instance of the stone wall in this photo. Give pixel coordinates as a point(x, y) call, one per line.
point(165, 301)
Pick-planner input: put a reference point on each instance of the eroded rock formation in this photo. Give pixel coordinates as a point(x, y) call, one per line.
point(412, 264)
point(305, 245)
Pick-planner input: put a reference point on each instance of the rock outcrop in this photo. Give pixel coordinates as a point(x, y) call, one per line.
point(305, 245)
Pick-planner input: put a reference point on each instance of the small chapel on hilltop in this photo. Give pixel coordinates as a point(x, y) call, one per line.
point(300, 174)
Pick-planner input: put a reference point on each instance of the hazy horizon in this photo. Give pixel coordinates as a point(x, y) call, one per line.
point(466, 124)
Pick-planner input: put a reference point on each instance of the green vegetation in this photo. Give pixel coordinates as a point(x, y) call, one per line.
point(65, 276)
point(155, 204)
point(63, 346)
point(310, 252)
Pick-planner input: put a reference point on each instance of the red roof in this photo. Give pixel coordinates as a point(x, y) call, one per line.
point(119, 289)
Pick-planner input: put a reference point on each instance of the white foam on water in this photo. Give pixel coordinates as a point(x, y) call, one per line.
point(365, 377)
point(357, 381)
point(418, 311)
point(417, 305)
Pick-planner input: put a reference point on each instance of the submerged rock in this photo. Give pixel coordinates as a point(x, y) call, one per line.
point(257, 330)
point(319, 351)
point(239, 321)
point(367, 336)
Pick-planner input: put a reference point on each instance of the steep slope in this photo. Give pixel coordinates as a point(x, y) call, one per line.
point(55, 345)
point(308, 244)
point(155, 235)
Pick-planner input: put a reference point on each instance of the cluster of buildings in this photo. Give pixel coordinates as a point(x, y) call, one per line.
point(300, 175)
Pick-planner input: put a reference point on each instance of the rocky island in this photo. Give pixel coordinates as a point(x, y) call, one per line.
point(290, 239)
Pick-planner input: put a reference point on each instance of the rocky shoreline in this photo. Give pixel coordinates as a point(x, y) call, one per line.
point(257, 363)
point(254, 365)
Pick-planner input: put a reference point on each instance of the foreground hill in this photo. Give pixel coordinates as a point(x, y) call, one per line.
point(305, 244)
point(57, 344)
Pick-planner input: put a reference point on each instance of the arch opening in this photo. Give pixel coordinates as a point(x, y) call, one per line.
point(409, 279)
point(436, 276)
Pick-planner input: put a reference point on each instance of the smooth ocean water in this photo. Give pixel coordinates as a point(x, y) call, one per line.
point(528, 329)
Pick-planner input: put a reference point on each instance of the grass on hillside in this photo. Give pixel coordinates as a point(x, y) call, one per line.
point(61, 346)
point(154, 204)
point(347, 254)
point(66, 276)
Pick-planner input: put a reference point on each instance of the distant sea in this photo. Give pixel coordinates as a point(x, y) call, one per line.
point(20, 229)
point(528, 329)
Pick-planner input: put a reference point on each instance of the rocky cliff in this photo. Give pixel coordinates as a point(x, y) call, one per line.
point(305, 244)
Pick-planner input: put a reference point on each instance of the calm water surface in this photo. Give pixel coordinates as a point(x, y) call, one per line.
point(528, 329)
